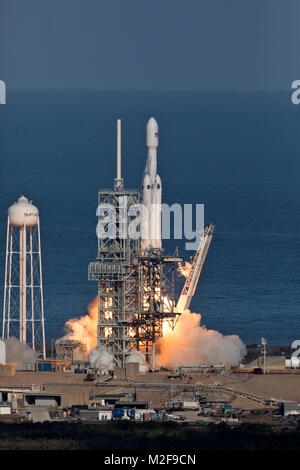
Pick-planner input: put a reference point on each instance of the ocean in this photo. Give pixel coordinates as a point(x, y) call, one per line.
point(238, 153)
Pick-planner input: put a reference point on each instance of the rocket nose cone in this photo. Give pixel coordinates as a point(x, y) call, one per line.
point(152, 125)
point(152, 133)
point(147, 181)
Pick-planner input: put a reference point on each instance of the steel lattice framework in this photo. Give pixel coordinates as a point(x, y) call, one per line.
point(156, 305)
point(23, 305)
point(117, 276)
point(133, 287)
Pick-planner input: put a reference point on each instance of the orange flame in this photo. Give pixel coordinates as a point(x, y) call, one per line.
point(84, 329)
point(189, 342)
point(184, 269)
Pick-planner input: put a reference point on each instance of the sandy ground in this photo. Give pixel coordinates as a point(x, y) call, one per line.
point(38, 378)
point(282, 387)
point(51, 382)
point(276, 386)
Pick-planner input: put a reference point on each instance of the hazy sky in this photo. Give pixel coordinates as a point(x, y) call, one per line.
point(157, 44)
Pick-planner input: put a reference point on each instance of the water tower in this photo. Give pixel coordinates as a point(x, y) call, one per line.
point(23, 305)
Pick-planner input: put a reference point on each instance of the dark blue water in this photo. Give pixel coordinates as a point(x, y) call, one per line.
point(238, 153)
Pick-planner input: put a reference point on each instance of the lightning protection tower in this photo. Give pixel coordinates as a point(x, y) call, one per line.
point(23, 305)
point(115, 272)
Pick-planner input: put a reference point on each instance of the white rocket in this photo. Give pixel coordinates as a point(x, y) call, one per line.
point(151, 190)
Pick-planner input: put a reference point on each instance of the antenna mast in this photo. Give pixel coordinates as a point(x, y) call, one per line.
point(119, 179)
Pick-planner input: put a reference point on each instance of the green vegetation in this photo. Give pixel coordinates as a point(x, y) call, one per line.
point(119, 435)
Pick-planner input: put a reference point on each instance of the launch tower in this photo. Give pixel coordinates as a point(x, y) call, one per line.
point(134, 281)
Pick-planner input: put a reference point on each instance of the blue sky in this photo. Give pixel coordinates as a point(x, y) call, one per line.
point(157, 44)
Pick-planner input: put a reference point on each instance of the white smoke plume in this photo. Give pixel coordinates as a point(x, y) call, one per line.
point(192, 344)
point(18, 352)
point(101, 360)
point(136, 356)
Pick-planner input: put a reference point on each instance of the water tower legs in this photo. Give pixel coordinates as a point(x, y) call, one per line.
point(23, 292)
point(23, 305)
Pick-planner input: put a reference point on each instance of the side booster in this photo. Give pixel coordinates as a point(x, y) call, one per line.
point(151, 190)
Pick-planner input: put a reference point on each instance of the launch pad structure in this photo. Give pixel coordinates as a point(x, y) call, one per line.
point(136, 280)
point(132, 287)
point(136, 288)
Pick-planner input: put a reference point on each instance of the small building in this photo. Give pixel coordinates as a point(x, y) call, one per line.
point(64, 399)
point(89, 415)
point(52, 365)
point(72, 350)
point(112, 398)
point(7, 370)
point(130, 372)
point(190, 405)
point(144, 414)
point(5, 409)
point(25, 366)
point(120, 373)
point(289, 408)
point(14, 394)
point(26, 395)
point(104, 415)
point(131, 404)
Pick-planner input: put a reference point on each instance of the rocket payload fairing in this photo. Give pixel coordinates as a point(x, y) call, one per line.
point(151, 190)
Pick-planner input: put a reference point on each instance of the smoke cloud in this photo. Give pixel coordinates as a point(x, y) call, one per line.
point(136, 356)
point(84, 329)
point(18, 352)
point(192, 344)
point(102, 360)
point(189, 343)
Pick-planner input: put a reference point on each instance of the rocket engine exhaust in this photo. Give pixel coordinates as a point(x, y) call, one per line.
point(190, 343)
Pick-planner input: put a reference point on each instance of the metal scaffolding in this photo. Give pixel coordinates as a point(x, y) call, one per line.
point(135, 288)
point(117, 277)
point(156, 300)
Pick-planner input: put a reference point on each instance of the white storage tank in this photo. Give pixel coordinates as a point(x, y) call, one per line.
point(190, 405)
point(22, 213)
